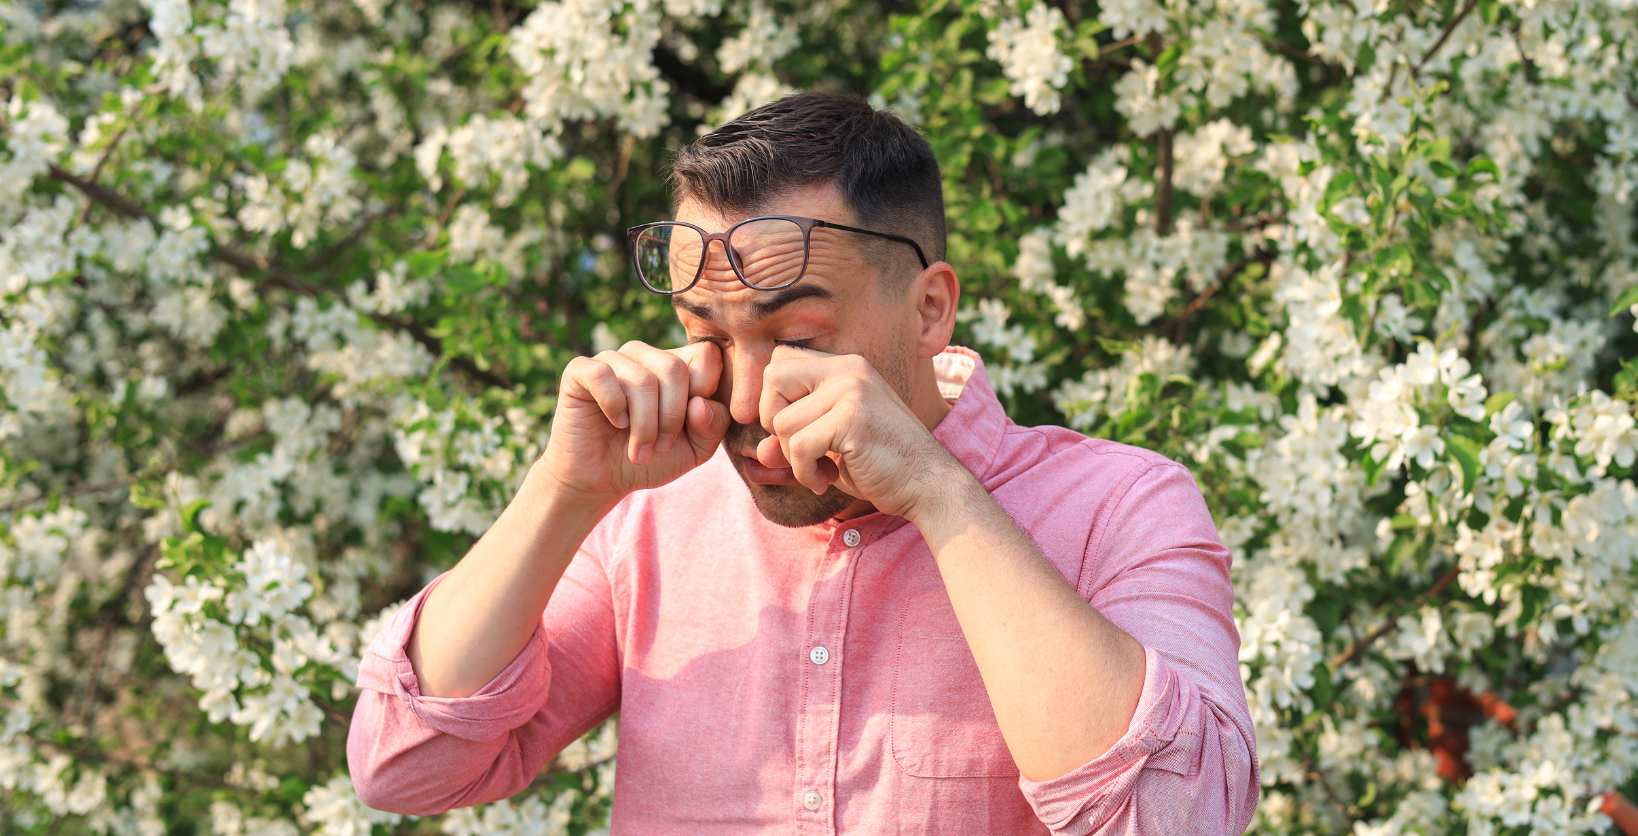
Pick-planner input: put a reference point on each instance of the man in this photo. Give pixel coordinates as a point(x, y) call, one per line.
point(826, 583)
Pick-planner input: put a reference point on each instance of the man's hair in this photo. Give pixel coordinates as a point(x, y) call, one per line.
point(883, 167)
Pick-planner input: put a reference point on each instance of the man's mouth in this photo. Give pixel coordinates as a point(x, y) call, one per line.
point(759, 473)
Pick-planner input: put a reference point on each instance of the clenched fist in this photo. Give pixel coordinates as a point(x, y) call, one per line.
point(835, 420)
point(635, 418)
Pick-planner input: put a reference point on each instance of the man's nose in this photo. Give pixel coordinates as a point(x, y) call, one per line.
point(744, 375)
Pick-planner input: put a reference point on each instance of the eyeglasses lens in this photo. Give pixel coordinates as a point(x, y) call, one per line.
point(770, 253)
point(668, 256)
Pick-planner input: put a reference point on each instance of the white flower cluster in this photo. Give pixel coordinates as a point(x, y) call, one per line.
point(1035, 274)
point(1103, 392)
point(1390, 419)
point(236, 683)
point(451, 458)
point(1027, 49)
point(589, 59)
point(989, 324)
point(531, 817)
point(334, 810)
point(1152, 264)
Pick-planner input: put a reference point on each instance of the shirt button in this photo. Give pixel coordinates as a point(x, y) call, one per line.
point(819, 655)
point(812, 800)
point(851, 537)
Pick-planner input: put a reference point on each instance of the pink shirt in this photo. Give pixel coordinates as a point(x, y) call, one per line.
point(815, 681)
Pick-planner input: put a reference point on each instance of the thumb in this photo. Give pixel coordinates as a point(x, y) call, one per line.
point(707, 423)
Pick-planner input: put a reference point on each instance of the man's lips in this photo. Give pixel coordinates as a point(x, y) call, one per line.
point(761, 474)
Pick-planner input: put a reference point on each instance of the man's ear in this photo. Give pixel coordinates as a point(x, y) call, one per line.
point(936, 291)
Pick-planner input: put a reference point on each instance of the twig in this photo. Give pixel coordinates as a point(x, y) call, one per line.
point(102, 160)
point(1444, 36)
point(1105, 50)
point(94, 756)
point(329, 254)
point(1359, 646)
point(443, 215)
point(106, 624)
point(90, 487)
point(1281, 46)
point(626, 149)
point(1163, 186)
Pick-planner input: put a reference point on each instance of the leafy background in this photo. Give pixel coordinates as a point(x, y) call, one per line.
point(288, 287)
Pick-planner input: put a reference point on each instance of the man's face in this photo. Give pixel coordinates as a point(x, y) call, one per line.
point(837, 307)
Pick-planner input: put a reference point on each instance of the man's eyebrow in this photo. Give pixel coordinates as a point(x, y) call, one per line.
point(763, 306)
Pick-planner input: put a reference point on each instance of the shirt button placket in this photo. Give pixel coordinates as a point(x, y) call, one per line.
point(816, 781)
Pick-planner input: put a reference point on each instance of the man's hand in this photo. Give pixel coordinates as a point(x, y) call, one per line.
point(635, 418)
point(834, 420)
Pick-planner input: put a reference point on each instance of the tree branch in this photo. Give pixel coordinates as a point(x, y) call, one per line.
point(1444, 36)
point(248, 263)
point(1163, 186)
point(1359, 646)
point(90, 487)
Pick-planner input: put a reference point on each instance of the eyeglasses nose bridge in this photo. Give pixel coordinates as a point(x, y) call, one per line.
point(727, 250)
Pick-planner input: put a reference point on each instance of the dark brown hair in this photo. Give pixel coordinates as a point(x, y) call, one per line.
point(883, 167)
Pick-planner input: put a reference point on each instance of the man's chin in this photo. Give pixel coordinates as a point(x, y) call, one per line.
point(791, 505)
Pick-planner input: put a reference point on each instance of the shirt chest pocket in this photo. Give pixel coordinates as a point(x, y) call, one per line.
point(943, 725)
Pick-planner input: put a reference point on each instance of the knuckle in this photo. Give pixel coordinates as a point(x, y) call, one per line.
point(675, 368)
point(631, 346)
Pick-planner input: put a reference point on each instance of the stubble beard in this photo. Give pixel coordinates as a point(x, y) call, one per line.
point(792, 506)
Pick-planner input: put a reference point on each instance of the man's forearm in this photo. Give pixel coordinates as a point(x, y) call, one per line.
point(1063, 680)
point(481, 616)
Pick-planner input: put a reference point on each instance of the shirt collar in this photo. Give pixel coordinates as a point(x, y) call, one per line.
point(973, 428)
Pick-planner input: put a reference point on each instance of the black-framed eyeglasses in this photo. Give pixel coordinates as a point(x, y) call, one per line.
point(768, 252)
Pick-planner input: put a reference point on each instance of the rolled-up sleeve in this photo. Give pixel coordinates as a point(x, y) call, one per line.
point(420, 755)
point(1187, 764)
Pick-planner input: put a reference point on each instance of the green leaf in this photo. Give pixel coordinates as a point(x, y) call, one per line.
point(1373, 469)
point(1466, 453)
point(147, 496)
point(190, 514)
point(1627, 299)
point(1337, 189)
point(1326, 610)
point(1498, 402)
point(1483, 165)
point(1444, 169)
point(1535, 599)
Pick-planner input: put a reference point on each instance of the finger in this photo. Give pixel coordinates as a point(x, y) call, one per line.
point(770, 452)
point(589, 379)
point(672, 373)
point(793, 417)
point(793, 373)
point(704, 361)
point(807, 448)
point(707, 425)
point(642, 390)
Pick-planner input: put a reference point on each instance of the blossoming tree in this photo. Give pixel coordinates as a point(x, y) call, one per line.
point(287, 287)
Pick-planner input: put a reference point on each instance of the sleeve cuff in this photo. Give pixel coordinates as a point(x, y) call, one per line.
point(1102, 784)
point(506, 703)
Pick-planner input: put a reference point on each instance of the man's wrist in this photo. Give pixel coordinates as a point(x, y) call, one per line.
point(951, 494)
point(568, 508)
